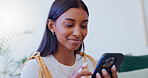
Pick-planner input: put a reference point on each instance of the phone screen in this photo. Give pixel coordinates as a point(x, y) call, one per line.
point(106, 61)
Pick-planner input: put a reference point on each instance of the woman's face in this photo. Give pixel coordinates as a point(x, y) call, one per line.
point(71, 28)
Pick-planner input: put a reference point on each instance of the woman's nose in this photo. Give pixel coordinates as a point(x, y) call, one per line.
point(77, 32)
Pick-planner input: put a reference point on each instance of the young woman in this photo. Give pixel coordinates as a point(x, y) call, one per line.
point(59, 54)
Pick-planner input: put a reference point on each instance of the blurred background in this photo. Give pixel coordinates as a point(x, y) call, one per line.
point(114, 26)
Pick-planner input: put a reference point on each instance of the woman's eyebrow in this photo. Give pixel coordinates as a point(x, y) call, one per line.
point(74, 20)
point(69, 19)
point(85, 21)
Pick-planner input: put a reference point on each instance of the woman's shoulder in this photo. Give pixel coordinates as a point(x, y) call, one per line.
point(33, 63)
point(30, 69)
point(48, 60)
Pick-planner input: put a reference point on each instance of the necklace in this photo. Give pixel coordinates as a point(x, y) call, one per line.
point(62, 69)
point(71, 69)
point(66, 75)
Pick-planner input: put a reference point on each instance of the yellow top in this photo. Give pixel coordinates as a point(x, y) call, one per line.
point(44, 72)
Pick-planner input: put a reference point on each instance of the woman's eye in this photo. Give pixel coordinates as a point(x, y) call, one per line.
point(84, 26)
point(69, 25)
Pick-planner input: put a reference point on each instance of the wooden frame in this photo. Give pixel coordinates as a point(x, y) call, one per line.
point(145, 18)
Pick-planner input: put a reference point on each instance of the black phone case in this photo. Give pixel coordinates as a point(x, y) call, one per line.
point(106, 61)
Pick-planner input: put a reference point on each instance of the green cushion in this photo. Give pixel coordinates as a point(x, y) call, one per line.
point(133, 63)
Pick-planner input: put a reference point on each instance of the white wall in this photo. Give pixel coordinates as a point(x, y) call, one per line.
point(114, 25)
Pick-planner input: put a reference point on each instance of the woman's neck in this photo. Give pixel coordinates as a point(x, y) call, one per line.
point(65, 56)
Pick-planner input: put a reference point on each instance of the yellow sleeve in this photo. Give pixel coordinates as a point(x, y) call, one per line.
point(43, 72)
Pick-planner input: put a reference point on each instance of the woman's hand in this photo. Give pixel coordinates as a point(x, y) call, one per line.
point(81, 71)
point(106, 75)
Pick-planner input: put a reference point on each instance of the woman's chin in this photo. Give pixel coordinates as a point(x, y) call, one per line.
point(73, 48)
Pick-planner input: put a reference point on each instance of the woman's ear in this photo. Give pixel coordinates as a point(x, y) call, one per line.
point(50, 24)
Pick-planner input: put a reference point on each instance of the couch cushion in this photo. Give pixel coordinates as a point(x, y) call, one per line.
point(131, 63)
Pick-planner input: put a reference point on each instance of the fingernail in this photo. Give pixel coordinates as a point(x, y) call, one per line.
point(104, 71)
point(80, 70)
point(85, 64)
point(98, 75)
point(114, 67)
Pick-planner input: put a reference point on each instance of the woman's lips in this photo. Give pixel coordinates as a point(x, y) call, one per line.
point(75, 41)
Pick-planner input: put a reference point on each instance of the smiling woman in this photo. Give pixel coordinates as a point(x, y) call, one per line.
point(60, 48)
point(74, 24)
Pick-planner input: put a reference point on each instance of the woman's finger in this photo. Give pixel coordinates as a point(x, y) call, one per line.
point(81, 72)
point(98, 75)
point(114, 72)
point(83, 66)
point(77, 74)
point(105, 74)
point(85, 73)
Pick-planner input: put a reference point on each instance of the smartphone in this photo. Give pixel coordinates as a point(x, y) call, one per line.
point(106, 61)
